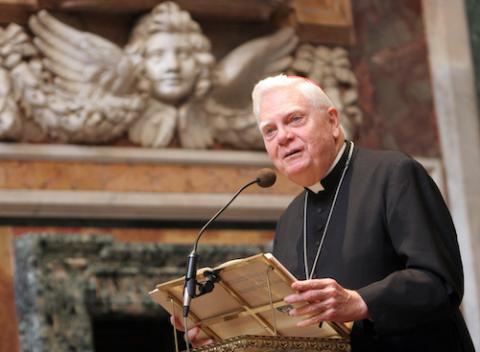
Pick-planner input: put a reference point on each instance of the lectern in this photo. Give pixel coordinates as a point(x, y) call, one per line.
point(245, 310)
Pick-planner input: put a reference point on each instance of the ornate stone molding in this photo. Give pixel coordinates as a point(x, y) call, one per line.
point(278, 343)
point(325, 22)
point(39, 203)
point(80, 153)
point(247, 10)
point(138, 205)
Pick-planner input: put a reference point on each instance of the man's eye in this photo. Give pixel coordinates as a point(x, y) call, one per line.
point(296, 118)
point(268, 132)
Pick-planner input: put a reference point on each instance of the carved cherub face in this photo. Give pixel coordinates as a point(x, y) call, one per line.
point(171, 66)
point(177, 57)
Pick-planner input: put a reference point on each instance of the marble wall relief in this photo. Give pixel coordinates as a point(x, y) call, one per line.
point(64, 282)
point(64, 85)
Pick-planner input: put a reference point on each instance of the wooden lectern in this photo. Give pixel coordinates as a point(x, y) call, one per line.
point(245, 310)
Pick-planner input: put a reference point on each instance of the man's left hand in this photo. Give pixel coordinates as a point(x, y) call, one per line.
point(326, 300)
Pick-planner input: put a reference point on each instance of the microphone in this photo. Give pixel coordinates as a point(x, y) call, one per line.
point(265, 178)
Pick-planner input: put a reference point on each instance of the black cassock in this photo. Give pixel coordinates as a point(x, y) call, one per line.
point(392, 239)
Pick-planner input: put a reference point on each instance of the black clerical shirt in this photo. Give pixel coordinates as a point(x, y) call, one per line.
point(392, 240)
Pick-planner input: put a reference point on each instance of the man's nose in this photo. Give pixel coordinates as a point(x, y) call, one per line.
point(284, 135)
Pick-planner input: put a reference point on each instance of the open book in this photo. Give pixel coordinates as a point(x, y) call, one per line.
point(248, 300)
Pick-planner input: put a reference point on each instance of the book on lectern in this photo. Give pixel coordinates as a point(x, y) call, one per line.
point(246, 300)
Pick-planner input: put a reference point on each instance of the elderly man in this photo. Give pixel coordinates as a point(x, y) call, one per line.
point(373, 238)
point(370, 239)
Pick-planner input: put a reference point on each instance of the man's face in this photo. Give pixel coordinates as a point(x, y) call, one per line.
point(300, 140)
point(171, 66)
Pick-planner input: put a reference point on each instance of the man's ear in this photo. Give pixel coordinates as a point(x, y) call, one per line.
point(334, 120)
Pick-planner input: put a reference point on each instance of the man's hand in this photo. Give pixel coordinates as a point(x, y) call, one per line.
point(192, 334)
point(326, 300)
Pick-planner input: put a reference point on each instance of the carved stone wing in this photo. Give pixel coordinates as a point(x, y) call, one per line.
point(328, 67)
point(230, 103)
point(15, 48)
point(83, 88)
point(80, 58)
point(243, 67)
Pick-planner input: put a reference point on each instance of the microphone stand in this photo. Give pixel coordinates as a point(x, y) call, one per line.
point(190, 288)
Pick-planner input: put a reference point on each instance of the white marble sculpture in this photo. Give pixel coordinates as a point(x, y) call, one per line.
point(69, 86)
point(194, 98)
point(163, 87)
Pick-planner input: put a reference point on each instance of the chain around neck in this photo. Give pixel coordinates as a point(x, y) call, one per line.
point(309, 275)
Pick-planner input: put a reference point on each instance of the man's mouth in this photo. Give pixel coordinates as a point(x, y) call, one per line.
point(291, 153)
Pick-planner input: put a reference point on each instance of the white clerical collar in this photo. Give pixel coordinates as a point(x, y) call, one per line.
point(317, 186)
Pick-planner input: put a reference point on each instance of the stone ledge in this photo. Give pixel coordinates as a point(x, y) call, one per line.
point(138, 205)
point(81, 153)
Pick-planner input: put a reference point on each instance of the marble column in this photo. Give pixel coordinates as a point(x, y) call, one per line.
point(457, 114)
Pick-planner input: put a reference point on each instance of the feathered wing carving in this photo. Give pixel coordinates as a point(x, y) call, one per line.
point(16, 48)
point(84, 88)
point(242, 68)
point(73, 86)
point(82, 58)
point(228, 107)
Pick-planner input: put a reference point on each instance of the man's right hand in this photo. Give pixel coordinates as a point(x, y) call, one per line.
point(192, 334)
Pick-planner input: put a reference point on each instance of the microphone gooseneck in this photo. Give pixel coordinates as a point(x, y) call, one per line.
point(265, 178)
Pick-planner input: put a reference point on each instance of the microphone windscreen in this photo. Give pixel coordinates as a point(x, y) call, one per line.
point(266, 177)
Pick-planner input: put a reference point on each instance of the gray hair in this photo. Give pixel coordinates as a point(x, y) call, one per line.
point(312, 92)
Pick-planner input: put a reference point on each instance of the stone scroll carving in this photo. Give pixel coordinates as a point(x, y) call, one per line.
point(163, 88)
